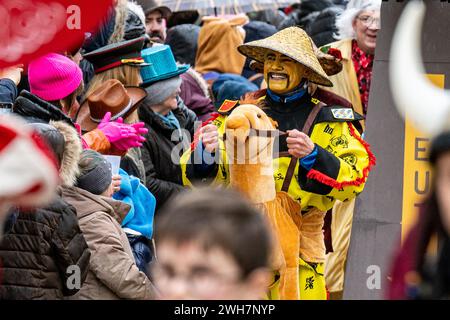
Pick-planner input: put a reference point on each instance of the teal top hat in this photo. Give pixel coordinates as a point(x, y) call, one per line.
point(162, 65)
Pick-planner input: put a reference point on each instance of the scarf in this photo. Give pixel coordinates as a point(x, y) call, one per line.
point(295, 95)
point(363, 63)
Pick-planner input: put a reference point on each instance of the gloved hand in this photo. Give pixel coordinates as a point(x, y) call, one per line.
point(115, 131)
point(120, 135)
point(134, 141)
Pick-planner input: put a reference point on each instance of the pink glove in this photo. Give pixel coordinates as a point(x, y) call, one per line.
point(115, 131)
point(134, 141)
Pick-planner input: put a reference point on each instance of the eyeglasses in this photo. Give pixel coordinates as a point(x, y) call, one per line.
point(368, 20)
point(199, 280)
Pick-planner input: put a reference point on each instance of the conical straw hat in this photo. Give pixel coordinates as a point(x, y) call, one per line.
point(294, 43)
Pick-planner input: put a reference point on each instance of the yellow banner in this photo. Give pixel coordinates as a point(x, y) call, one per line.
point(417, 175)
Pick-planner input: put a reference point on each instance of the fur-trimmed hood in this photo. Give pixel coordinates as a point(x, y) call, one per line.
point(69, 169)
point(129, 22)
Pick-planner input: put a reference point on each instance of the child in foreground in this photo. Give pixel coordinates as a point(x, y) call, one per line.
point(211, 244)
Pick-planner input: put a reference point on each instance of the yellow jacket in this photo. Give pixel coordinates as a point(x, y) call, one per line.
point(345, 83)
point(340, 170)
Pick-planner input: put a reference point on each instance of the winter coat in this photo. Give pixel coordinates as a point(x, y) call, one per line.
point(113, 273)
point(195, 95)
point(305, 14)
point(163, 176)
point(38, 251)
point(182, 39)
point(33, 109)
point(340, 168)
point(323, 29)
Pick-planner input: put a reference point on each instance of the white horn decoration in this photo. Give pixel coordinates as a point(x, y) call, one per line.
point(416, 98)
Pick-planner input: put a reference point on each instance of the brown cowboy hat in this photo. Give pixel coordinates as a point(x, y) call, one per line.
point(112, 96)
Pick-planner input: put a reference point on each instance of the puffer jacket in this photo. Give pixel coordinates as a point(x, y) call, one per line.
point(323, 28)
point(163, 176)
point(38, 251)
point(35, 110)
point(113, 273)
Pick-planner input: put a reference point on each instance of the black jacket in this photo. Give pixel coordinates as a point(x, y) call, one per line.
point(163, 176)
point(33, 109)
point(38, 251)
point(323, 29)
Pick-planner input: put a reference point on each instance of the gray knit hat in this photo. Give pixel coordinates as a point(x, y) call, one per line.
point(95, 172)
point(159, 91)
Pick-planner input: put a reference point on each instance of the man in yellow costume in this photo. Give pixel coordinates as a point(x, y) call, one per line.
point(321, 158)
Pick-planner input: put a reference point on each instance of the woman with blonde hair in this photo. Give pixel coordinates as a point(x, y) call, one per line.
point(119, 61)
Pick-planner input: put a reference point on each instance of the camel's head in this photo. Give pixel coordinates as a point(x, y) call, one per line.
point(250, 134)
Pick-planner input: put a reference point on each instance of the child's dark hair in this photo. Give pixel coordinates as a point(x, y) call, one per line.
point(217, 218)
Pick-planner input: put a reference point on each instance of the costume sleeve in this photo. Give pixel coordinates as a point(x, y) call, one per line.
point(342, 163)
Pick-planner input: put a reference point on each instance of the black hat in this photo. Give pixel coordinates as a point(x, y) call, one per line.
point(117, 54)
point(150, 6)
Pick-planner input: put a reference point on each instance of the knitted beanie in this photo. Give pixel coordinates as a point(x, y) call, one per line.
point(159, 91)
point(54, 77)
point(96, 175)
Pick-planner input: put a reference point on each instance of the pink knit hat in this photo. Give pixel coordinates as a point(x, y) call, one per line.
point(53, 77)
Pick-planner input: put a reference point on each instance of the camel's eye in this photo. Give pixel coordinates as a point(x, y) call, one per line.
point(259, 115)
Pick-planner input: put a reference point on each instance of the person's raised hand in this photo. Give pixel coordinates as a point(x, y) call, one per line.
point(210, 138)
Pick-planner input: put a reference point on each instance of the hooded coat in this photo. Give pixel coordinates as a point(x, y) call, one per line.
point(217, 43)
point(43, 243)
point(195, 95)
point(113, 273)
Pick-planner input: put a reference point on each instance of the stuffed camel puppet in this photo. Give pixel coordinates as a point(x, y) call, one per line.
point(249, 139)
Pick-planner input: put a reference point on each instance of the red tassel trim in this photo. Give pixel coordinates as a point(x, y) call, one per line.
point(194, 143)
point(324, 179)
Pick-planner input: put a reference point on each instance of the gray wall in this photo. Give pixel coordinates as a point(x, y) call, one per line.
point(377, 221)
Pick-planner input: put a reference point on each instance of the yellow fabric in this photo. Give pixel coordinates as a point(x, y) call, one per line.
point(311, 283)
point(341, 228)
point(340, 147)
point(341, 144)
point(217, 43)
point(345, 83)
